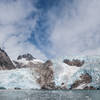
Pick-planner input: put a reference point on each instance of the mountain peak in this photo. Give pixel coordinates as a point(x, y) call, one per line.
point(26, 56)
point(5, 62)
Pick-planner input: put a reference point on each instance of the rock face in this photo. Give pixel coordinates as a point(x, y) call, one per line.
point(26, 61)
point(5, 62)
point(46, 75)
point(90, 88)
point(26, 56)
point(43, 70)
point(84, 79)
point(74, 62)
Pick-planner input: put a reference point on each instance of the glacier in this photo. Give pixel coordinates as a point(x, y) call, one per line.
point(18, 78)
point(64, 74)
point(69, 74)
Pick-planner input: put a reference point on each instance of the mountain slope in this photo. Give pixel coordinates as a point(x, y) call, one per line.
point(5, 62)
point(77, 77)
point(27, 72)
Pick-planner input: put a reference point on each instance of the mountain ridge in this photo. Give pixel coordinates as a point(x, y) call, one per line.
point(67, 73)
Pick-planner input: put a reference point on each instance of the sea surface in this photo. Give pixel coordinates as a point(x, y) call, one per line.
point(49, 94)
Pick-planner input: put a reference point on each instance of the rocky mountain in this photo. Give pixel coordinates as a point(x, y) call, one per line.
point(28, 57)
point(26, 61)
point(27, 72)
point(5, 62)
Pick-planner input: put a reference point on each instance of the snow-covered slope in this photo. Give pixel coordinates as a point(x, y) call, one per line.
point(26, 60)
point(68, 74)
point(75, 72)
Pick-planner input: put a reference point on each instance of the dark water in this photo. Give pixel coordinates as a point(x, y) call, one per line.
point(50, 95)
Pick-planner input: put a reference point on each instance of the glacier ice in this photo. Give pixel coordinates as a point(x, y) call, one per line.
point(25, 78)
point(18, 78)
point(69, 74)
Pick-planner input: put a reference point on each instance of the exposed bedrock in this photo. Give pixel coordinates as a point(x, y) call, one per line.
point(89, 88)
point(5, 62)
point(46, 75)
point(74, 62)
point(84, 80)
point(27, 56)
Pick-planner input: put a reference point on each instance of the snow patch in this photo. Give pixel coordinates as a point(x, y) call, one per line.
point(25, 62)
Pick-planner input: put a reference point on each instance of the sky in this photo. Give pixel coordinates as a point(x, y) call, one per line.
point(50, 28)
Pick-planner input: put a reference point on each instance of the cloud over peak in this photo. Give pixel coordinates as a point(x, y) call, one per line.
point(55, 27)
point(16, 26)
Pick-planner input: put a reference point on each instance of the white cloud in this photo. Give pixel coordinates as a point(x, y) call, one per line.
point(77, 30)
point(15, 11)
point(16, 27)
point(74, 29)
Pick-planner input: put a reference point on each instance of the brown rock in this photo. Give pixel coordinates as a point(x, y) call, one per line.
point(74, 62)
point(85, 78)
point(45, 73)
point(26, 56)
point(5, 62)
point(90, 88)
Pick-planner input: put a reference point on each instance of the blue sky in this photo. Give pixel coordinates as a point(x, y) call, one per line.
point(50, 28)
point(40, 36)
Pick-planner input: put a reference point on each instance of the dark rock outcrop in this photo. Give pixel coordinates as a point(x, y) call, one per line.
point(16, 88)
point(89, 88)
point(5, 62)
point(26, 56)
point(85, 79)
point(74, 62)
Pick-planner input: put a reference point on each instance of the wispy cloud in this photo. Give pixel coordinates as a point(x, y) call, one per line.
point(76, 31)
point(16, 26)
point(67, 27)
